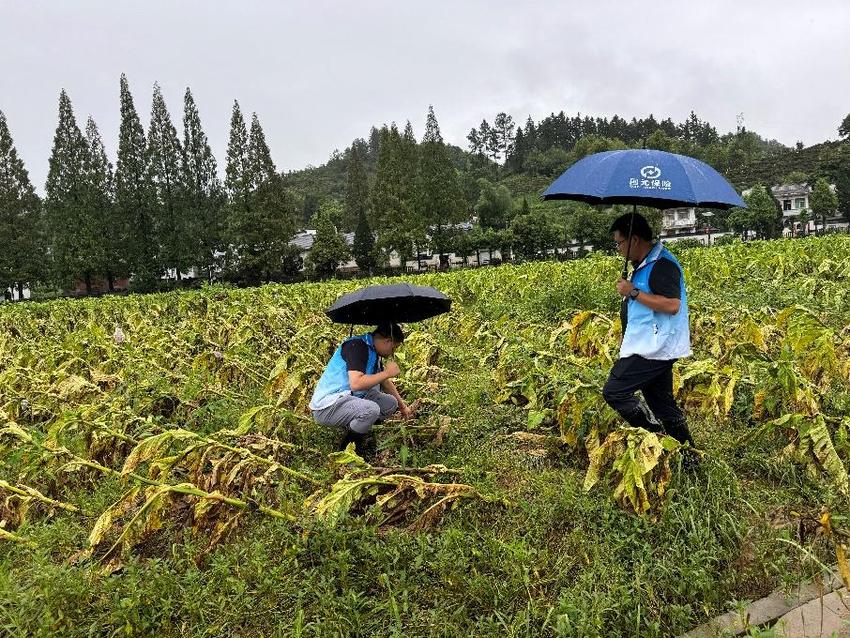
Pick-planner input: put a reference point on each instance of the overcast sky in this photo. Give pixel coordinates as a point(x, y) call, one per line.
point(320, 73)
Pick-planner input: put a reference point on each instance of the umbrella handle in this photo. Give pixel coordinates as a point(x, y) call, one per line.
point(629, 242)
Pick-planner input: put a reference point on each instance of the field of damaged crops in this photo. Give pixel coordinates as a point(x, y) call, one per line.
point(160, 473)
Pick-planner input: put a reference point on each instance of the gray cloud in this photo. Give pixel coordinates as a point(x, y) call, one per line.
point(320, 73)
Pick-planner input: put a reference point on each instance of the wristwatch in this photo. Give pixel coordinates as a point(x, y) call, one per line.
point(633, 293)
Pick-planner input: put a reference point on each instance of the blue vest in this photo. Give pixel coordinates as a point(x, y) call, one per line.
point(333, 383)
point(650, 334)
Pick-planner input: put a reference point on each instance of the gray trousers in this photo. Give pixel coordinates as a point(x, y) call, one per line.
point(358, 414)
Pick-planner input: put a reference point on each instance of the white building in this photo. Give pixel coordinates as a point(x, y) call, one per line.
point(793, 198)
point(679, 221)
point(427, 260)
point(304, 242)
point(11, 294)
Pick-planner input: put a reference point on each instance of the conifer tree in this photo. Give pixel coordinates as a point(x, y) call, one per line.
point(414, 227)
point(356, 190)
point(503, 127)
point(262, 168)
point(391, 205)
point(844, 127)
point(374, 146)
point(439, 198)
point(262, 214)
point(356, 208)
point(135, 197)
point(476, 144)
point(164, 160)
point(365, 254)
point(408, 155)
point(73, 235)
point(239, 178)
point(100, 201)
point(22, 255)
point(202, 191)
point(518, 152)
point(842, 181)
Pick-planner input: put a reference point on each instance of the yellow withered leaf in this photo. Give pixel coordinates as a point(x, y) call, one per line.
point(843, 568)
point(104, 522)
point(152, 447)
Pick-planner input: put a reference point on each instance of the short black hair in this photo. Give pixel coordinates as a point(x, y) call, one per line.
point(390, 331)
point(640, 227)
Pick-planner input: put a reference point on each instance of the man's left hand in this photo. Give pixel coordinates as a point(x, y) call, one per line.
point(624, 287)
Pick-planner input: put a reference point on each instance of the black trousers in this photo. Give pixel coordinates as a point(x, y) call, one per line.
point(655, 381)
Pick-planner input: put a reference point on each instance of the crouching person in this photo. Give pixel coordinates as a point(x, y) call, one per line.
point(356, 389)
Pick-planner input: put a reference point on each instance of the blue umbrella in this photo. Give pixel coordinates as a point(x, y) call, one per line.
point(644, 177)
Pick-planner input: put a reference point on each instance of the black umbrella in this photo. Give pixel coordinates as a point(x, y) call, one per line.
point(395, 303)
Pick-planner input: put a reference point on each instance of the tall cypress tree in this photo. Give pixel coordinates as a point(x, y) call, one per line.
point(415, 227)
point(73, 233)
point(276, 214)
point(164, 160)
point(392, 210)
point(259, 157)
point(262, 215)
point(356, 212)
point(100, 201)
point(238, 179)
point(356, 190)
point(439, 198)
point(135, 197)
point(202, 190)
point(408, 157)
point(20, 219)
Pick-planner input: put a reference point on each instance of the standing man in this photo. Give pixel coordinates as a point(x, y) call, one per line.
point(654, 315)
point(356, 390)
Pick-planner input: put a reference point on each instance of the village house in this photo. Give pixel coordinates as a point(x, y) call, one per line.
point(679, 221)
point(794, 201)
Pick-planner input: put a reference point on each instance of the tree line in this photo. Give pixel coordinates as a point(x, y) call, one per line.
point(505, 168)
point(162, 210)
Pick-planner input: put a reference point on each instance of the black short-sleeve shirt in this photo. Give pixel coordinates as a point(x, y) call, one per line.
point(355, 353)
point(665, 279)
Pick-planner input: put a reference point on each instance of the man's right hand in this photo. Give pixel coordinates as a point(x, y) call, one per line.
point(391, 369)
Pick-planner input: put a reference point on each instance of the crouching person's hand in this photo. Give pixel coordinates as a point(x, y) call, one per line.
point(392, 369)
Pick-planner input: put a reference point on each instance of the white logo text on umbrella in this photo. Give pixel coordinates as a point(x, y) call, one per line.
point(650, 179)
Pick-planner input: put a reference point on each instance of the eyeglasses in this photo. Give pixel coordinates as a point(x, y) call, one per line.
point(617, 243)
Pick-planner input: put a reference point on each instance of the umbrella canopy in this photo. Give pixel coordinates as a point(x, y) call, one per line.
point(397, 303)
point(644, 177)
